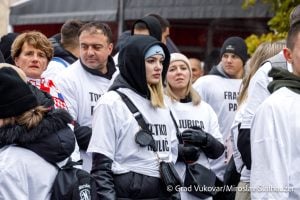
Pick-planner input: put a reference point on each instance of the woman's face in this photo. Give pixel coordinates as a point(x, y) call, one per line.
point(32, 61)
point(178, 75)
point(154, 69)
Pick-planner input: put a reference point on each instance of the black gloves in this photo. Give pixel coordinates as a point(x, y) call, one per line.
point(83, 136)
point(211, 147)
point(194, 136)
point(188, 153)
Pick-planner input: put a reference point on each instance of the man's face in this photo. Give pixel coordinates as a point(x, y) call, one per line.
point(232, 65)
point(141, 32)
point(197, 69)
point(94, 50)
point(165, 35)
point(293, 56)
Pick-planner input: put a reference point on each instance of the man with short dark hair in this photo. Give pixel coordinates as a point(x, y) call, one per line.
point(220, 89)
point(147, 25)
point(165, 27)
point(66, 48)
point(87, 79)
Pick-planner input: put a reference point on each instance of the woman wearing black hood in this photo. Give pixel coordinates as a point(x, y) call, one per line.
point(122, 167)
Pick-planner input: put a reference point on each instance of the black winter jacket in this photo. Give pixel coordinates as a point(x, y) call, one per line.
point(52, 139)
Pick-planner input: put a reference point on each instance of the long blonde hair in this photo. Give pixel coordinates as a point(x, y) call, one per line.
point(263, 52)
point(190, 91)
point(156, 95)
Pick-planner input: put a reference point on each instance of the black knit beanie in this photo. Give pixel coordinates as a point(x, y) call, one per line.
point(15, 95)
point(237, 46)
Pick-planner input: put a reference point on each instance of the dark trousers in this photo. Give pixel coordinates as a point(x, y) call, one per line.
point(223, 195)
point(138, 186)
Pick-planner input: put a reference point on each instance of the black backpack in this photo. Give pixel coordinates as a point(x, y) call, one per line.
point(72, 183)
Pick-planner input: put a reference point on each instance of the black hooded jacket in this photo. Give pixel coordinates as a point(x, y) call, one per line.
point(151, 23)
point(132, 64)
point(153, 26)
point(52, 139)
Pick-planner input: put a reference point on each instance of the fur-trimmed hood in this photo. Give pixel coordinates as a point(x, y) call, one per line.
point(52, 139)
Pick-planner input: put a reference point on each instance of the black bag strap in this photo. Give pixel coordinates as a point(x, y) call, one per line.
point(138, 116)
point(70, 164)
point(178, 133)
point(136, 113)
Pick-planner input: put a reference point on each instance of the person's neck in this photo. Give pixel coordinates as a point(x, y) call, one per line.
point(75, 51)
point(239, 75)
point(103, 69)
point(180, 93)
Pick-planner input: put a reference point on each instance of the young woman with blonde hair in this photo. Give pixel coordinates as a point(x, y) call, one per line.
point(197, 123)
point(123, 165)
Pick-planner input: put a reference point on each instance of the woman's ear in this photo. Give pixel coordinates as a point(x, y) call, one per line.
point(288, 55)
point(16, 61)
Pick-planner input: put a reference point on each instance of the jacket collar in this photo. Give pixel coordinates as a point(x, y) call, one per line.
point(111, 69)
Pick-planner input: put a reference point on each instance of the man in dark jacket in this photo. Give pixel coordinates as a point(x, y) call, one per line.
point(148, 25)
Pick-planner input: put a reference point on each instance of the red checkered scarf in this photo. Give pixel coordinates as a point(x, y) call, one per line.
point(49, 87)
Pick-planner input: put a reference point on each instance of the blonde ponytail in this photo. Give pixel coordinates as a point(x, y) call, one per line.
point(31, 118)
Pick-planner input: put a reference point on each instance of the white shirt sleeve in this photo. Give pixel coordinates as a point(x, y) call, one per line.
point(104, 126)
point(269, 169)
point(12, 187)
point(257, 93)
point(68, 89)
point(54, 68)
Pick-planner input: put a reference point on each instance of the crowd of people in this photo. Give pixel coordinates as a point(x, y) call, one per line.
point(126, 115)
